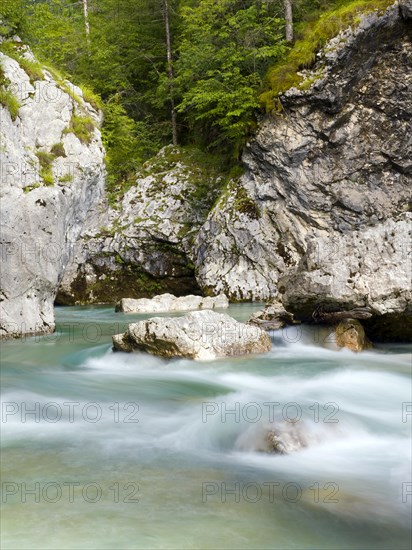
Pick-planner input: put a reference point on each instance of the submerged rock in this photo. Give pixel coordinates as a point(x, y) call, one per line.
point(278, 437)
point(52, 173)
point(200, 335)
point(286, 438)
point(351, 334)
point(168, 302)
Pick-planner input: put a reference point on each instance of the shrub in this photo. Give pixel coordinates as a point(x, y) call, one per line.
point(92, 98)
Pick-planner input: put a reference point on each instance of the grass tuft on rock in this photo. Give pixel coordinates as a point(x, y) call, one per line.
point(82, 127)
point(7, 98)
point(10, 102)
point(90, 97)
point(58, 150)
point(46, 167)
point(14, 50)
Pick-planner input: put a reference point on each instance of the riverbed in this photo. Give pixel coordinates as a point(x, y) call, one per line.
point(109, 450)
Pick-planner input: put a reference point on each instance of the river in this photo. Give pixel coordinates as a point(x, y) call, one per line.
point(110, 450)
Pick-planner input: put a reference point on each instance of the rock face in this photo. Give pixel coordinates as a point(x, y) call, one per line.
point(329, 179)
point(143, 244)
point(350, 334)
point(50, 178)
point(368, 267)
point(322, 213)
point(203, 335)
point(237, 249)
point(168, 302)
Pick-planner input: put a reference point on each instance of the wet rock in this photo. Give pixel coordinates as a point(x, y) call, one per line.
point(325, 316)
point(406, 8)
point(273, 317)
point(284, 442)
point(369, 269)
point(168, 302)
point(202, 335)
point(351, 334)
point(285, 438)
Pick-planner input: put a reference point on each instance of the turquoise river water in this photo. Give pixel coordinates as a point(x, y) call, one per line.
point(128, 451)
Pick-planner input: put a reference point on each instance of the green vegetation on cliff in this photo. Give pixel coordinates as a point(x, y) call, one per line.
point(312, 36)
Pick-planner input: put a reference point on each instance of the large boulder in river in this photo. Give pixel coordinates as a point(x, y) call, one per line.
point(168, 302)
point(201, 335)
point(52, 172)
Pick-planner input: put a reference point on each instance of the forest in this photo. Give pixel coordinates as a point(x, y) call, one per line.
point(190, 72)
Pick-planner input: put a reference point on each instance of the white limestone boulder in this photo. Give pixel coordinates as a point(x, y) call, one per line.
point(201, 335)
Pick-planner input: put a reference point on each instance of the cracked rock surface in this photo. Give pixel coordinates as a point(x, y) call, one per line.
point(202, 335)
point(336, 160)
point(328, 186)
point(41, 219)
point(143, 244)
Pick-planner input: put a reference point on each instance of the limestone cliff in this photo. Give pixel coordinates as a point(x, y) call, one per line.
point(322, 214)
point(52, 172)
point(330, 181)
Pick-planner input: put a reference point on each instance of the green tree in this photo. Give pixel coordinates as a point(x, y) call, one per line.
point(288, 20)
point(170, 69)
point(193, 68)
point(128, 142)
point(225, 50)
point(121, 54)
point(12, 15)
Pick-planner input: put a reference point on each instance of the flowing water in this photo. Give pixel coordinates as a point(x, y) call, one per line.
point(110, 450)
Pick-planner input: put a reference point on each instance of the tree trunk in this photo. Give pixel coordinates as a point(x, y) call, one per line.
point(86, 22)
point(170, 72)
point(289, 20)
